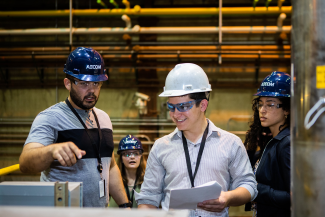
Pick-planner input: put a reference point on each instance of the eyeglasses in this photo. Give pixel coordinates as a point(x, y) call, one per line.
point(268, 106)
point(87, 84)
point(182, 107)
point(129, 154)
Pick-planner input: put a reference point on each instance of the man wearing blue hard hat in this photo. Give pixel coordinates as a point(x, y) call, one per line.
point(72, 140)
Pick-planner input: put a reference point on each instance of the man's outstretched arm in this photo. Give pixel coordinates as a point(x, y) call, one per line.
point(36, 157)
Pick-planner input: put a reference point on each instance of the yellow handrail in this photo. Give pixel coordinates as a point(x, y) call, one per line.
point(9, 169)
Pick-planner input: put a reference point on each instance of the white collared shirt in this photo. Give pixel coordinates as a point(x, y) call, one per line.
point(224, 160)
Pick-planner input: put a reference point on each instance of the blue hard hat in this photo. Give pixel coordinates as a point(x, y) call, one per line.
point(129, 143)
point(86, 64)
point(277, 84)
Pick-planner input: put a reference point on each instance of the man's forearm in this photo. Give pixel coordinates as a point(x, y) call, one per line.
point(146, 206)
point(239, 196)
point(35, 159)
point(116, 187)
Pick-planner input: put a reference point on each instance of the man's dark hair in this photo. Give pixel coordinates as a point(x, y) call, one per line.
point(70, 77)
point(199, 95)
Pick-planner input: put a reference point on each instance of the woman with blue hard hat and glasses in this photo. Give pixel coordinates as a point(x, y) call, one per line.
point(132, 167)
point(268, 146)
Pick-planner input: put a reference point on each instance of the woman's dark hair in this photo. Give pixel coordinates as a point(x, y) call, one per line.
point(140, 171)
point(258, 136)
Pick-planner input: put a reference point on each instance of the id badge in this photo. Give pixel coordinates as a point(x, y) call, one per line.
point(101, 188)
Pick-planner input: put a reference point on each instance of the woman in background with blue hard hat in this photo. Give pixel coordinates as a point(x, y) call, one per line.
point(132, 166)
point(268, 146)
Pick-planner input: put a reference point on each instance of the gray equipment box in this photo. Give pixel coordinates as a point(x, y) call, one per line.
point(41, 194)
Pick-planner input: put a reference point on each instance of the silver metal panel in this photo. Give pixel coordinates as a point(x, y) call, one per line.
point(26, 193)
point(39, 194)
point(75, 194)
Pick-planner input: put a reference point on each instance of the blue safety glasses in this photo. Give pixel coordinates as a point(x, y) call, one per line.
point(182, 107)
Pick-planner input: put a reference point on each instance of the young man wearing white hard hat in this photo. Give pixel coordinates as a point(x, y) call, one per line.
point(197, 151)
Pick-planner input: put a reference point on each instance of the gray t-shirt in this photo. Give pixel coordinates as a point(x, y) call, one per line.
point(58, 124)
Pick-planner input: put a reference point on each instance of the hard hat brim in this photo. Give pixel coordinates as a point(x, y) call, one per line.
point(83, 77)
point(271, 94)
point(170, 93)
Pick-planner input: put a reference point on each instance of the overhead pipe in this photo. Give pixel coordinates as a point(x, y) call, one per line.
point(267, 3)
point(280, 2)
point(254, 3)
point(160, 56)
point(220, 29)
point(149, 30)
point(101, 3)
point(208, 47)
point(70, 23)
point(113, 3)
point(138, 11)
point(138, 48)
point(281, 17)
point(126, 3)
point(127, 21)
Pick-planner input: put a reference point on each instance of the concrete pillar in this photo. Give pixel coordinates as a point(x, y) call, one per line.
point(307, 146)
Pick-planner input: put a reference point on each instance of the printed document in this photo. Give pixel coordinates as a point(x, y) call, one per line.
point(189, 198)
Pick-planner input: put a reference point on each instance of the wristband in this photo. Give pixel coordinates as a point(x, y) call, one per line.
point(125, 205)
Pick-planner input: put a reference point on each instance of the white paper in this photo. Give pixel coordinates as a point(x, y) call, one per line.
point(189, 198)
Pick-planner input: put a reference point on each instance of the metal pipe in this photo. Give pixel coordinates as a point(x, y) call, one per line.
point(100, 2)
point(70, 23)
point(149, 12)
point(113, 3)
point(307, 146)
point(150, 30)
point(163, 56)
point(127, 21)
point(9, 169)
point(267, 3)
point(280, 2)
point(151, 48)
point(281, 17)
point(220, 28)
point(126, 3)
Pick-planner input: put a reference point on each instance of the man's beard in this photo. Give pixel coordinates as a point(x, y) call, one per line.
point(80, 103)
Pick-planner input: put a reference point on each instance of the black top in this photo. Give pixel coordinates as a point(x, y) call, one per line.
point(273, 178)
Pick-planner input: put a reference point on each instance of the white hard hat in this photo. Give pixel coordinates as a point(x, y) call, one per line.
point(184, 79)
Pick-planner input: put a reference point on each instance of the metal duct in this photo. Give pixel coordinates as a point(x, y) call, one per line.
point(150, 30)
point(138, 11)
point(153, 48)
point(307, 146)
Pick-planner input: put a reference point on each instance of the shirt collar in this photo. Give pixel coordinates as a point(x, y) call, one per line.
point(212, 129)
point(285, 132)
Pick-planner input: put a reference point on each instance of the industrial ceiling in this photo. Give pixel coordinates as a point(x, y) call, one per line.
point(237, 42)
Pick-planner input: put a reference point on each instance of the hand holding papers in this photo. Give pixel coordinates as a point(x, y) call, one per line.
point(189, 198)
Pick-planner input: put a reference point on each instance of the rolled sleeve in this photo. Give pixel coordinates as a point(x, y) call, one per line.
point(241, 171)
point(152, 187)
